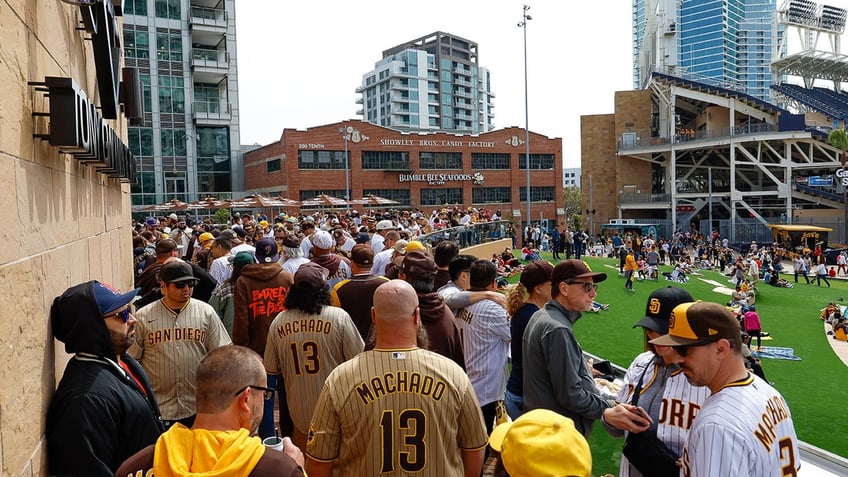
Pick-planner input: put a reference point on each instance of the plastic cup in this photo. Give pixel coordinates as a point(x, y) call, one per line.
point(274, 442)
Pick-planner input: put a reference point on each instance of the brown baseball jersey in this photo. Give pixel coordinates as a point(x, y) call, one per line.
point(305, 348)
point(398, 411)
point(169, 345)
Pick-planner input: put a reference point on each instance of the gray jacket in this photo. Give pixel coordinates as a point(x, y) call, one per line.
point(556, 375)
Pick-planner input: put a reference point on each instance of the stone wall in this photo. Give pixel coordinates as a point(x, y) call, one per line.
point(63, 222)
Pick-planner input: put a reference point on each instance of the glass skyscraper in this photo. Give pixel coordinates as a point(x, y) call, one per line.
point(724, 42)
point(185, 51)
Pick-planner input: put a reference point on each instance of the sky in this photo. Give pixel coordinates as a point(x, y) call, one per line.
point(299, 62)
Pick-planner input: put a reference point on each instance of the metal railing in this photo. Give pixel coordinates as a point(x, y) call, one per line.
point(210, 58)
point(641, 141)
point(467, 236)
point(208, 16)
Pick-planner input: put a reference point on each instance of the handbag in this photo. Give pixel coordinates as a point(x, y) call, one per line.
point(647, 453)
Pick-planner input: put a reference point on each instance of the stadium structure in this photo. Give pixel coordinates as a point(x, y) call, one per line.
point(688, 151)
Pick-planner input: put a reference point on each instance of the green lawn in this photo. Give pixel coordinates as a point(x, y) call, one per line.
point(814, 387)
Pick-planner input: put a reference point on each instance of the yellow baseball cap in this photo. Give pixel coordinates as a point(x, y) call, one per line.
point(542, 443)
point(414, 245)
point(205, 236)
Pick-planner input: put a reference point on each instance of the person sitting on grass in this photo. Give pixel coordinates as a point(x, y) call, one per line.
point(828, 310)
point(529, 253)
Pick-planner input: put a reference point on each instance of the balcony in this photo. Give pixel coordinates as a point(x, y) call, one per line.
point(208, 17)
point(209, 65)
point(632, 140)
point(211, 112)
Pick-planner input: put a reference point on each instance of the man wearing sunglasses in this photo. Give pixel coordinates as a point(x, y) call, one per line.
point(172, 336)
point(104, 409)
point(231, 393)
point(744, 427)
point(556, 376)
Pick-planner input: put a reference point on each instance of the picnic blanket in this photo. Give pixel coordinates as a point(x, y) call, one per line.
point(776, 352)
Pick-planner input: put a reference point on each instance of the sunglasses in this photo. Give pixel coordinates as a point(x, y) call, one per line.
point(589, 287)
point(125, 315)
point(188, 283)
point(683, 350)
point(267, 393)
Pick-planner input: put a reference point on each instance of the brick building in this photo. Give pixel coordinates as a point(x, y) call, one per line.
point(419, 170)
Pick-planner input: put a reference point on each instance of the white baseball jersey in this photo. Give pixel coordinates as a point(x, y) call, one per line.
point(170, 344)
point(485, 338)
point(305, 348)
point(668, 398)
point(743, 429)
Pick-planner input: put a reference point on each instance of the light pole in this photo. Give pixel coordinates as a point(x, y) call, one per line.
point(523, 24)
point(345, 132)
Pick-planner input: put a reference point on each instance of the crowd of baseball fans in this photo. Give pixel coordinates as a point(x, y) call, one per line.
point(355, 347)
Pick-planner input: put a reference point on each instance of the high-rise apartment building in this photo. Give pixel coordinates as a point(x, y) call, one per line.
point(188, 144)
point(432, 83)
point(724, 42)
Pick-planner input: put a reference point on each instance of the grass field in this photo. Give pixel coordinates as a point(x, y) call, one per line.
point(814, 387)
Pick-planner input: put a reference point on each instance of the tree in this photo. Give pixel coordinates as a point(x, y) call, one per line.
point(572, 200)
point(839, 138)
point(221, 216)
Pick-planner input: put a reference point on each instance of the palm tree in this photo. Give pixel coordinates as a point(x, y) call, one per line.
point(839, 138)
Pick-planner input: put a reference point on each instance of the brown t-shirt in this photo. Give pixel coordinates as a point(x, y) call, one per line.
point(272, 463)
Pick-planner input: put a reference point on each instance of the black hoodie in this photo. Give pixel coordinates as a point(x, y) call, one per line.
point(441, 327)
point(99, 415)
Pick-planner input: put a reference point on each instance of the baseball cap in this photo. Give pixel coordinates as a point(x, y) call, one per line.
point(241, 259)
point(699, 321)
point(173, 216)
point(400, 246)
point(570, 269)
point(110, 299)
point(263, 223)
point(176, 271)
point(363, 237)
point(385, 225)
point(205, 236)
point(415, 245)
point(151, 221)
point(165, 246)
point(291, 241)
point(322, 240)
point(542, 442)
point(310, 275)
point(418, 265)
point(362, 255)
point(266, 250)
point(660, 304)
point(535, 273)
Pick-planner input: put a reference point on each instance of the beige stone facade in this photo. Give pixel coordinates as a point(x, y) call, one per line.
point(63, 222)
point(611, 174)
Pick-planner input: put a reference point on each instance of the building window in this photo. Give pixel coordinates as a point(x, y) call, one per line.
point(440, 160)
point(320, 159)
point(168, 9)
point(173, 142)
point(171, 94)
point(398, 195)
point(146, 93)
point(488, 160)
point(169, 47)
point(135, 7)
point(309, 194)
point(274, 165)
point(537, 161)
point(537, 194)
point(141, 141)
point(385, 160)
point(136, 44)
point(490, 195)
point(446, 196)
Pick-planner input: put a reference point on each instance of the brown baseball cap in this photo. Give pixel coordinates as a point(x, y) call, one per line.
point(310, 275)
point(535, 273)
point(362, 255)
point(418, 265)
point(570, 269)
point(697, 322)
